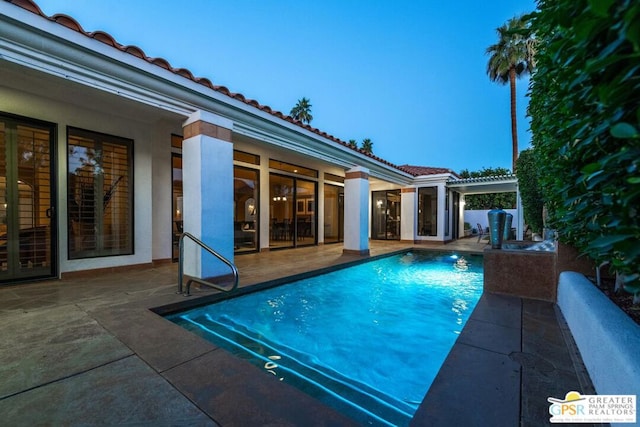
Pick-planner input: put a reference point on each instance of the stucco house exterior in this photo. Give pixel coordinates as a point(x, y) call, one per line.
point(107, 155)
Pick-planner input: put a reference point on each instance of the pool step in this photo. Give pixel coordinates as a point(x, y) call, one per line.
point(356, 399)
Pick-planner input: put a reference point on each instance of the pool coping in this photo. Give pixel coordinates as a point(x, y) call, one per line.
point(190, 303)
point(228, 390)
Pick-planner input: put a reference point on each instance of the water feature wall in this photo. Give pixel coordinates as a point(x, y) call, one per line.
point(520, 272)
point(531, 269)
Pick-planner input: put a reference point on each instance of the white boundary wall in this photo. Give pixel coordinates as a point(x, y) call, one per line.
point(475, 217)
point(608, 340)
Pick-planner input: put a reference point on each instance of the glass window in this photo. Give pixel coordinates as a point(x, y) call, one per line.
point(428, 211)
point(176, 141)
point(100, 194)
point(288, 167)
point(334, 178)
point(241, 156)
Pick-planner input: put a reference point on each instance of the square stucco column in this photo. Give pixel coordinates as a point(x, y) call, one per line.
point(356, 211)
point(207, 174)
point(408, 211)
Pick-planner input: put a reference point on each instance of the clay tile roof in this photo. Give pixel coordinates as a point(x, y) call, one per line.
point(184, 73)
point(425, 170)
point(106, 38)
point(206, 82)
point(28, 5)
point(68, 22)
point(222, 89)
point(136, 51)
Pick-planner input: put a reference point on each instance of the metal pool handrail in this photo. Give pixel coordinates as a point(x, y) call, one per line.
point(234, 270)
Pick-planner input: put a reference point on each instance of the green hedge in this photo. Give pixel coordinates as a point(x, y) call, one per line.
point(530, 191)
point(585, 111)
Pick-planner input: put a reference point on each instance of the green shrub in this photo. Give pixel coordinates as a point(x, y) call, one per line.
point(488, 200)
point(585, 110)
point(530, 192)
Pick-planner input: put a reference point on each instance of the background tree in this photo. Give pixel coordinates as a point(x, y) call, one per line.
point(511, 58)
point(488, 200)
point(367, 146)
point(353, 143)
point(302, 111)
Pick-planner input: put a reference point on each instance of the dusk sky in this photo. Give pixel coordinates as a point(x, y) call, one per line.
point(409, 75)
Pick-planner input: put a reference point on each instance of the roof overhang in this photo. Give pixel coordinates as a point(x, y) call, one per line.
point(484, 185)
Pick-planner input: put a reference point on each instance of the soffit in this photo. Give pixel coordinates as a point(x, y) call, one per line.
point(483, 185)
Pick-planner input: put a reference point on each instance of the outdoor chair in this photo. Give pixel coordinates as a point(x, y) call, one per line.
point(481, 232)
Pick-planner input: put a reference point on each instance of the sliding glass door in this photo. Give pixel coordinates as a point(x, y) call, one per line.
point(177, 206)
point(245, 201)
point(305, 230)
point(333, 213)
point(281, 211)
point(292, 211)
point(27, 210)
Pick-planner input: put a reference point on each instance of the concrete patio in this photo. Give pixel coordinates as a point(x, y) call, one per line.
point(86, 350)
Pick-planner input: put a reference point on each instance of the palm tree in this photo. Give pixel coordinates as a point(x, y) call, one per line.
point(512, 58)
point(367, 146)
point(302, 111)
point(353, 143)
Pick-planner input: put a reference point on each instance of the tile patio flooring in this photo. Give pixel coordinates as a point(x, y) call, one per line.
point(88, 351)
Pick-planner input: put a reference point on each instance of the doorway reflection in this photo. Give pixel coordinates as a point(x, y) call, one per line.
point(333, 213)
point(385, 221)
point(245, 221)
point(281, 211)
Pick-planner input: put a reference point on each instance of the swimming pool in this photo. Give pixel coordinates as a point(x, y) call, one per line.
point(367, 340)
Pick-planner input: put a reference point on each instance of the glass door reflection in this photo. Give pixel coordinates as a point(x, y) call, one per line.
point(281, 211)
point(245, 201)
point(292, 212)
point(385, 215)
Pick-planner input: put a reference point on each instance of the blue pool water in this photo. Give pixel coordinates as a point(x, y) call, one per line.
point(367, 340)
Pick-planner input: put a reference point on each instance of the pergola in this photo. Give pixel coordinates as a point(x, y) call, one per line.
point(493, 184)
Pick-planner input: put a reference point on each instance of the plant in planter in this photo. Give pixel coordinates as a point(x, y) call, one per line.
point(467, 229)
